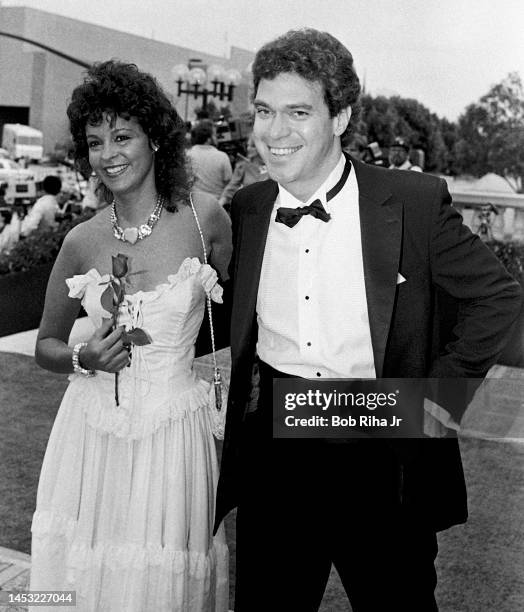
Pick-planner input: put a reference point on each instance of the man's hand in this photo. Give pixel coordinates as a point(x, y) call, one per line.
point(437, 421)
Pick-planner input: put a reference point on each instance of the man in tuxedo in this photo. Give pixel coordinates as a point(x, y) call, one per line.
point(336, 273)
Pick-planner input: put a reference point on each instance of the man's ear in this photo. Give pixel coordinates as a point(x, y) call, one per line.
point(341, 121)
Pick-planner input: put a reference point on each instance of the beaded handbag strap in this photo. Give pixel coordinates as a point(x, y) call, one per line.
point(217, 377)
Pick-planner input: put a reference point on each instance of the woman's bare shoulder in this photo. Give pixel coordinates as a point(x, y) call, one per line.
point(216, 226)
point(204, 203)
point(86, 234)
point(209, 211)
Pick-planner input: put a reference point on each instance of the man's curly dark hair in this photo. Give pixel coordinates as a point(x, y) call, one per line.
point(315, 56)
point(123, 90)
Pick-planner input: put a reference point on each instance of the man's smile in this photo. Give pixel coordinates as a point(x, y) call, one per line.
point(282, 151)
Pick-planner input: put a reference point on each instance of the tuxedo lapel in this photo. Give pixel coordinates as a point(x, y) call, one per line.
point(251, 242)
point(381, 234)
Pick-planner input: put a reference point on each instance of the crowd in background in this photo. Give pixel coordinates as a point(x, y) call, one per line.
point(213, 171)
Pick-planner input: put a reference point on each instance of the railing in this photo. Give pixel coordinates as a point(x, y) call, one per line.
point(505, 221)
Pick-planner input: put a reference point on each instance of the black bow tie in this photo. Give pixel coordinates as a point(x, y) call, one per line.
point(291, 216)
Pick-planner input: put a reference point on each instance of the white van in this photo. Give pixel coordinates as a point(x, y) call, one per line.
point(22, 141)
point(17, 185)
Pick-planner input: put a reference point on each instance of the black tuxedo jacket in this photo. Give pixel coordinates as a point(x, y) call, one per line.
point(407, 227)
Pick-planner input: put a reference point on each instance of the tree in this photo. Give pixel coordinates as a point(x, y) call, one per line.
point(378, 119)
point(422, 128)
point(449, 132)
point(491, 133)
point(384, 118)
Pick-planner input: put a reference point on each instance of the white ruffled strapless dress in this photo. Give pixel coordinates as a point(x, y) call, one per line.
point(126, 497)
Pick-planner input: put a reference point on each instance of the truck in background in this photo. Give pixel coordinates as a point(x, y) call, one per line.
point(22, 141)
point(17, 185)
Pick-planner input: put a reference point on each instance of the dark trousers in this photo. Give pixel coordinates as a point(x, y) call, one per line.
point(308, 504)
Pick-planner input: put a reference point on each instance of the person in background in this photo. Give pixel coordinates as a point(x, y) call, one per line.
point(210, 167)
point(187, 134)
point(92, 200)
point(12, 230)
point(355, 145)
point(5, 230)
point(248, 170)
point(375, 156)
point(42, 214)
point(399, 156)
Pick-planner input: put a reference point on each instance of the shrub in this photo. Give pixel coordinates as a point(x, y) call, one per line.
point(511, 254)
point(39, 248)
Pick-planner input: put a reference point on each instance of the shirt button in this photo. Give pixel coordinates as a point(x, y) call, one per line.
point(309, 343)
point(307, 250)
point(307, 297)
point(319, 374)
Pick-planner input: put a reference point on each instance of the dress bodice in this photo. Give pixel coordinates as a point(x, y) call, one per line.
point(161, 372)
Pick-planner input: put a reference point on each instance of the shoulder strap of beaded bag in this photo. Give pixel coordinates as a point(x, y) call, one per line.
point(217, 379)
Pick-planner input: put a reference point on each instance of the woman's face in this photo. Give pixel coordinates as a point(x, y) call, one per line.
point(120, 154)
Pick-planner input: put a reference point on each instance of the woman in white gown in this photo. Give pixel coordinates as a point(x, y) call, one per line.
point(125, 502)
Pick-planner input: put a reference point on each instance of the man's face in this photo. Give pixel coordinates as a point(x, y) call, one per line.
point(397, 156)
point(294, 134)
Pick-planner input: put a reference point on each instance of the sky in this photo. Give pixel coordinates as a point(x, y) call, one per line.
point(444, 53)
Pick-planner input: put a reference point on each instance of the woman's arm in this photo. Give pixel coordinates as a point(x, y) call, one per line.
point(216, 227)
point(221, 241)
point(104, 350)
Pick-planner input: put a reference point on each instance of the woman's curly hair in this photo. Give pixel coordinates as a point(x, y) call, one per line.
point(121, 89)
point(315, 56)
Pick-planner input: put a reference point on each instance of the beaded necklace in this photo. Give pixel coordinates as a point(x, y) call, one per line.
point(132, 234)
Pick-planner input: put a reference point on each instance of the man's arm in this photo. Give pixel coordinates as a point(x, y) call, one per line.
point(489, 299)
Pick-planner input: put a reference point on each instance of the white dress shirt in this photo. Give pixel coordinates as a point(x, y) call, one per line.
point(311, 305)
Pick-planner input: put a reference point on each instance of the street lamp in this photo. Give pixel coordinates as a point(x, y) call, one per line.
point(197, 80)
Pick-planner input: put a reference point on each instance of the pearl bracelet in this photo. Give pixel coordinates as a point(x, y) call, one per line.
point(77, 368)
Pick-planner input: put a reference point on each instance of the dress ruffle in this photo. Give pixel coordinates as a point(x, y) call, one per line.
point(204, 273)
point(191, 266)
point(110, 577)
point(123, 421)
point(79, 282)
point(84, 557)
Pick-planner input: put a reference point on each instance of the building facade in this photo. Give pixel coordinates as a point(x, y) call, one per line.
point(36, 85)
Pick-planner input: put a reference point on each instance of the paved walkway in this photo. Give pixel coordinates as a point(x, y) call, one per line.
point(14, 575)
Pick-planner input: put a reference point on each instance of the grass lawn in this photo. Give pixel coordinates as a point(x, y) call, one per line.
point(480, 564)
point(28, 404)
